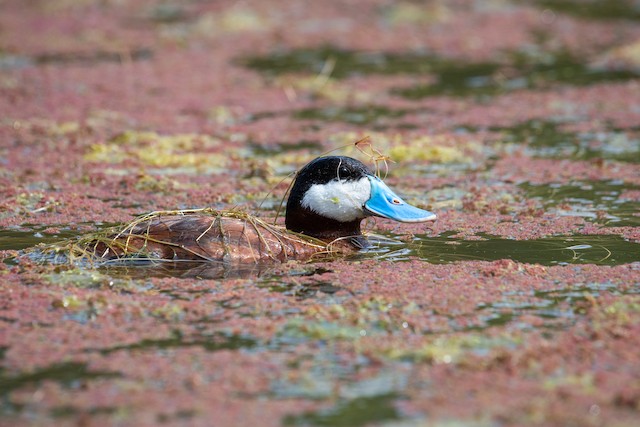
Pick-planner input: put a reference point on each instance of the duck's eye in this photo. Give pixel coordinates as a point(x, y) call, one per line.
point(344, 172)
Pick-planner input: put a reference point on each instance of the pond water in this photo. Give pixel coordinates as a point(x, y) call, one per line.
point(597, 10)
point(554, 250)
point(550, 139)
point(443, 249)
point(597, 201)
point(67, 374)
point(25, 237)
point(531, 68)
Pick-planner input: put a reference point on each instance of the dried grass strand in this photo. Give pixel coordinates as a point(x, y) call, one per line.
point(119, 241)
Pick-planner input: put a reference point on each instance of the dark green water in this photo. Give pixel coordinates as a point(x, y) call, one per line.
point(556, 307)
point(594, 9)
point(68, 374)
point(356, 412)
point(597, 201)
point(358, 116)
point(556, 250)
point(214, 342)
point(22, 239)
point(524, 69)
point(549, 139)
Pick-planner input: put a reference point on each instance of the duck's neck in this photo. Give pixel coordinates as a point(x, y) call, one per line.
point(311, 224)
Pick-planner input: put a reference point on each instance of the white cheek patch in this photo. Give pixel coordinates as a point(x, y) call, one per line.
point(339, 200)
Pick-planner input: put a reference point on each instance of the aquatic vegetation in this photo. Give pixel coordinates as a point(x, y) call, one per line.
point(321, 87)
point(449, 349)
point(519, 306)
point(616, 314)
point(407, 13)
point(320, 330)
point(202, 153)
point(231, 20)
point(425, 149)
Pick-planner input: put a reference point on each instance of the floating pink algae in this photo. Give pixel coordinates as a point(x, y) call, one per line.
point(113, 109)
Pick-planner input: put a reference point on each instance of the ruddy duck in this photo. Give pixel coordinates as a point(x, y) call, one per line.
point(329, 199)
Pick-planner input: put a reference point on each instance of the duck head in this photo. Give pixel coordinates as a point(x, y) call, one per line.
point(332, 195)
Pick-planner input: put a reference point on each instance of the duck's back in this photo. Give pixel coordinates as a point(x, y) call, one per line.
point(206, 238)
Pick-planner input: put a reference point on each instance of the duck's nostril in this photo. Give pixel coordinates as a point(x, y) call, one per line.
point(396, 201)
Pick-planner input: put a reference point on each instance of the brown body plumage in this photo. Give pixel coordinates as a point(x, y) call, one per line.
point(233, 238)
